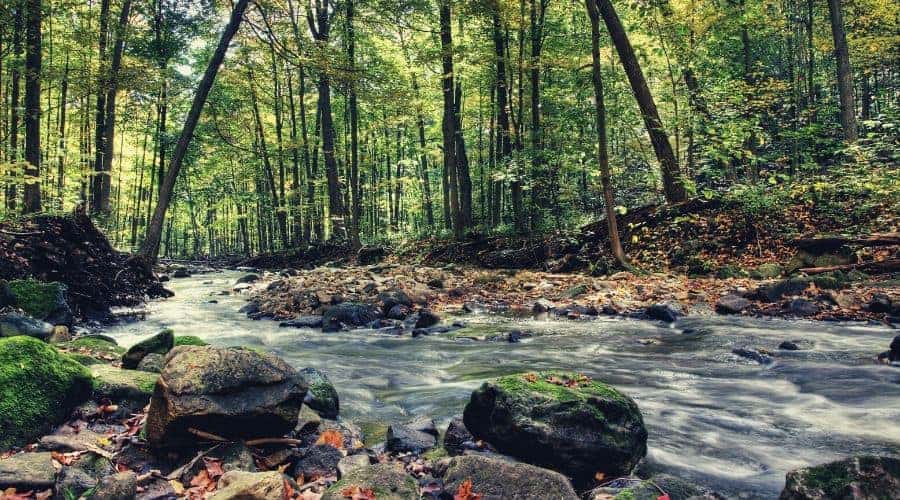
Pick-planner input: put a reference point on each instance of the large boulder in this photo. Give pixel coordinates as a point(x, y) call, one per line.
point(856, 478)
point(44, 301)
point(565, 422)
point(39, 387)
point(498, 479)
point(321, 395)
point(27, 472)
point(131, 388)
point(13, 324)
point(676, 488)
point(387, 481)
point(161, 343)
point(231, 392)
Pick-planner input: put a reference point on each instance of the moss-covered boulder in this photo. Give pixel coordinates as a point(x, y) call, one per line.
point(161, 343)
point(321, 396)
point(230, 392)
point(131, 388)
point(856, 478)
point(39, 387)
point(498, 479)
point(387, 481)
point(676, 488)
point(189, 340)
point(13, 324)
point(563, 421)
point(767, 271)
point(45, 301)
point(92, 349)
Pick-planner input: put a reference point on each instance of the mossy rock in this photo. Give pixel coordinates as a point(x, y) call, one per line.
point(731, 271)
point(676, 488)
point(562, 421)
point(45, 301)
point(387, 481)
point(161, 343)
point(92, 349)
point(39, 387)
point(132, 388)
point(576, 291)
point(497, 478)
point(856, 477)
point(767, 271)
point(321, 396)
point(189, 340)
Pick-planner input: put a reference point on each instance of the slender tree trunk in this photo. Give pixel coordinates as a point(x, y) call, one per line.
point(150, 247)
point(673, 185)
point(32, 201)
point(462, 162)
point(449, 123)
point(844, 73)
point(423, 159)
point(99, 178)
point(356, 206)
point(504, 142)
point(537, 13)
point(61, 150)
point(14, 95)
point(602, 151)
point(267, 165)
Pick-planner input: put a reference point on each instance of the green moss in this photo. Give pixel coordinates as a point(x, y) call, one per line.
point(373, 432)
point(436, 453)
point(121, 385)
point(39, 386)
point(189, 340)
point(625, 495)
point(539, 384)
point(36, 298)
point(830, 478)
point(97, 344)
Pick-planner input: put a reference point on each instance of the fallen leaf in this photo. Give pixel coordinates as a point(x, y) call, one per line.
point(356, 493)
point(599, 476)
point(530, 377)
point(464, 492)
point(664, 496)
point(331, 437)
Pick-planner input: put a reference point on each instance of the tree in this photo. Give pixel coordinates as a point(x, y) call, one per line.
point(844, 74)
point(150, 247)
point(448, 128)
point(32, 200)
point(673, 186)
point(602, 148)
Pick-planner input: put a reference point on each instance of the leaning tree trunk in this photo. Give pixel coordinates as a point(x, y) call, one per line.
point(844, 74)
point(673, 185)
point(602, 150)
point(32, 202)
point(150, 247)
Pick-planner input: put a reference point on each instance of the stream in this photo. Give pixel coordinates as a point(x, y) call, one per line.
point(726, 422)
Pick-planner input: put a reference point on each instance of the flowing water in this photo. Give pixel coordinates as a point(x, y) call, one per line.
point(713, 417)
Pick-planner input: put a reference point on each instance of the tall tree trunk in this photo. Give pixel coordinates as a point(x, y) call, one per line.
point(267, 165)
point(14, 95)
point(504, 143)
point(673, 185)
point(602, 151)
point(100, 179)
point(448, 127)
point(423, 158)
point(537, 12)
point(844, 73)
point(61, 150)
point(462, 162)
point(102, 204)
point(356, 206)
point(32, 201)
point(150, 247)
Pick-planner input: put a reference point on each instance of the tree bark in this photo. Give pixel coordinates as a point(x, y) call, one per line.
point(449, 122)
point(150, 247)
point(32, 201)
point(844, 73)
point(673, 185)
point(15, 96)
point(356, 205)
point(100, 178)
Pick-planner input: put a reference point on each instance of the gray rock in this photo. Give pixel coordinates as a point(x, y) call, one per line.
point(28, 471)
point(121, 486)
point(388, 481)
point(238, 485)
point(152, 362)
point(161, 343)
point(302, 322)
point(457, 439)
point(234, 393)
point(318, 461)
point(856, 478)
point(247, 278)
point(350, 314)
point(676, 488)
point(131, 388)
point(350, 463)
point(732, 304)
point(399, 312)
point(662, 312)
point(321, 395)
point(412, 437)
point(13, 324)
point(752, 354)
point(880, 303)
point(497, 479)
point(72, 481)
point(427, 319)
point(233, 456)
point(578, 431)
point(393, 298)
point(802, 307)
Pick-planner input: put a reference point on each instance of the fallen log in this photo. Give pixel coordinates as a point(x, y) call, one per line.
point(827, 243)
point(885, 266)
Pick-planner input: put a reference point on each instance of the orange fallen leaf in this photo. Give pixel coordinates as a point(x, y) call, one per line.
point(664, 496)
point(530, 377)
point(331, 437)
point(356, 493)
point(599, 476)
point(464, 492)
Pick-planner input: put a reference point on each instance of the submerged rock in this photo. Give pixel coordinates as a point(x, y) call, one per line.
point(579, 429)
point(302, 322)
point(662, 312)
point(893, 355)
point(40, 388)
point(498, 479)
point(753, 354)
point(321, 395)
point(161, 343)
point(230, 392)
point(387, 481)
point(856, 478)
point(427, 319)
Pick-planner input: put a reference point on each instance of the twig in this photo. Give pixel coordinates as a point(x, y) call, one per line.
point(264, 441)
point(150, 475)
point(206, 435)
point(13, 233)
point(175, 474)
